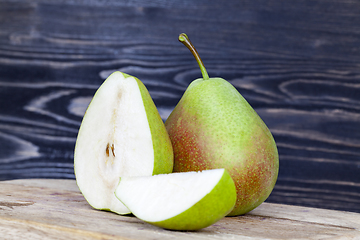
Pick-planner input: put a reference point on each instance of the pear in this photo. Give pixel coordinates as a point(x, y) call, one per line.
point(121, 134)
point(213, 126)
point(179, 201)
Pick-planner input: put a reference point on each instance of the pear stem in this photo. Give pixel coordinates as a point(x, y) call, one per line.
point(186, 41)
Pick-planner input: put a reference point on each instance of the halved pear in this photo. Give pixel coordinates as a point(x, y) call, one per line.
point(121, 134)
point(179, 201)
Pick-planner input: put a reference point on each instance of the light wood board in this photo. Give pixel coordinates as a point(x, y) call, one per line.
point(55, 209)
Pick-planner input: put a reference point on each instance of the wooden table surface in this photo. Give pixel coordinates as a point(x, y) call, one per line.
point(297, 63)
point(55, 209)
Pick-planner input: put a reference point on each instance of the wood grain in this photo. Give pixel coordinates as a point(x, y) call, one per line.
point(55, 209)
point(296, 62)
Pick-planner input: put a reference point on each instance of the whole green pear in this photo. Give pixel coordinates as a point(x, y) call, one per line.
point(213, 126)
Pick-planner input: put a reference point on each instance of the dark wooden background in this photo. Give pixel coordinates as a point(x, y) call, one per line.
point(296, 62)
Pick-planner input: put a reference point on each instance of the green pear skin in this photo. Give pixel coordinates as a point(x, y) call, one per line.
point(213, 126)
point(163, 152)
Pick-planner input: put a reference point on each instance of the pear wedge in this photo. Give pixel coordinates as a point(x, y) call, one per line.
point(179, 201)
point(121, 134)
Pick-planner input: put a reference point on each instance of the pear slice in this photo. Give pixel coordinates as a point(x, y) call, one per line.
point(179, 201)
point(121, 134)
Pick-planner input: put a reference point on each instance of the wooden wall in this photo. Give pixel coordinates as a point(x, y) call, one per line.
point(296, 62)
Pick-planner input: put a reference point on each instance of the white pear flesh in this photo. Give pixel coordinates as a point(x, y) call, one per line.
point(115, 140)
point(179, 201)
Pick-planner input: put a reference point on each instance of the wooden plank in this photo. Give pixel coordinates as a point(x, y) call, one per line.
point(55, 209)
